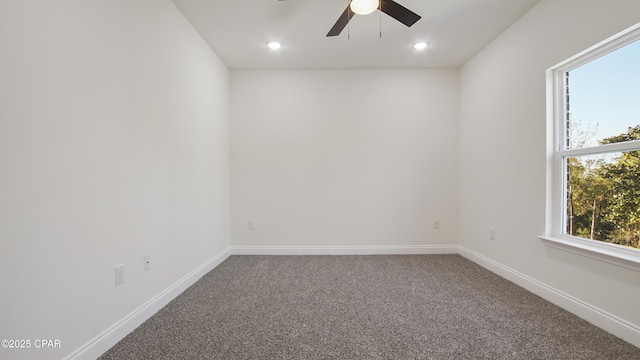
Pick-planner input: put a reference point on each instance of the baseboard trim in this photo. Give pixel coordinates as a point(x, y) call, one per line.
point(108, 338)
point(603, 319)
point(345, 250)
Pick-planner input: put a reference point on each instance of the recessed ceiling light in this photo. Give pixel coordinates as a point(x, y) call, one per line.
point(274, 45)
point(420, 45)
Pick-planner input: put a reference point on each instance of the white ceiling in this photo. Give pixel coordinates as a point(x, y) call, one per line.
point(239, 30)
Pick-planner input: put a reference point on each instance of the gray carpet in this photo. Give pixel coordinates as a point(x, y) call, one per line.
point(363, 307)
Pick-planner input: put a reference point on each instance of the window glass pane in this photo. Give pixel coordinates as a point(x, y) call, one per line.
point(603, 98)
point(603, 197)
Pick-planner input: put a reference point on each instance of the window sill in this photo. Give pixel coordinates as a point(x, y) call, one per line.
point(612, 254)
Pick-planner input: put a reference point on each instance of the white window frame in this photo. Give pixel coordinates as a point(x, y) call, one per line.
point(557, 151)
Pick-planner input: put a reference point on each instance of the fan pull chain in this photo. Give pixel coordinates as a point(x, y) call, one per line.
point(380, 13)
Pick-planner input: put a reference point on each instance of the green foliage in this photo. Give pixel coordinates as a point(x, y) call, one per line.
point(603, 196)
point(632, 134)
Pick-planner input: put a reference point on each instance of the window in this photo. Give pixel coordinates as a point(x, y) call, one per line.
point(594, 152)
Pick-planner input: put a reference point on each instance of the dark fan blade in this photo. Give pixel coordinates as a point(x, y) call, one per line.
point(342, 22)
point(399, 12)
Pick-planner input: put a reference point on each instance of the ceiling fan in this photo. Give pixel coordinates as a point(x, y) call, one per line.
point(364, 7)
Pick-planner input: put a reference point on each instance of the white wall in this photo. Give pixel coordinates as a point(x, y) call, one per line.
point(502, 152)
point(113, 144)
point(344, 158)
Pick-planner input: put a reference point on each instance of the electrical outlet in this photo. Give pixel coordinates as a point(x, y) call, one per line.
point(147, 262)
point(119, 274)
point(436, 223)
point(492, 234)
point(250, 225)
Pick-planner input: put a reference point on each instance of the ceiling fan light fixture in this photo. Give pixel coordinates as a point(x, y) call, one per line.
point(364, 7)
